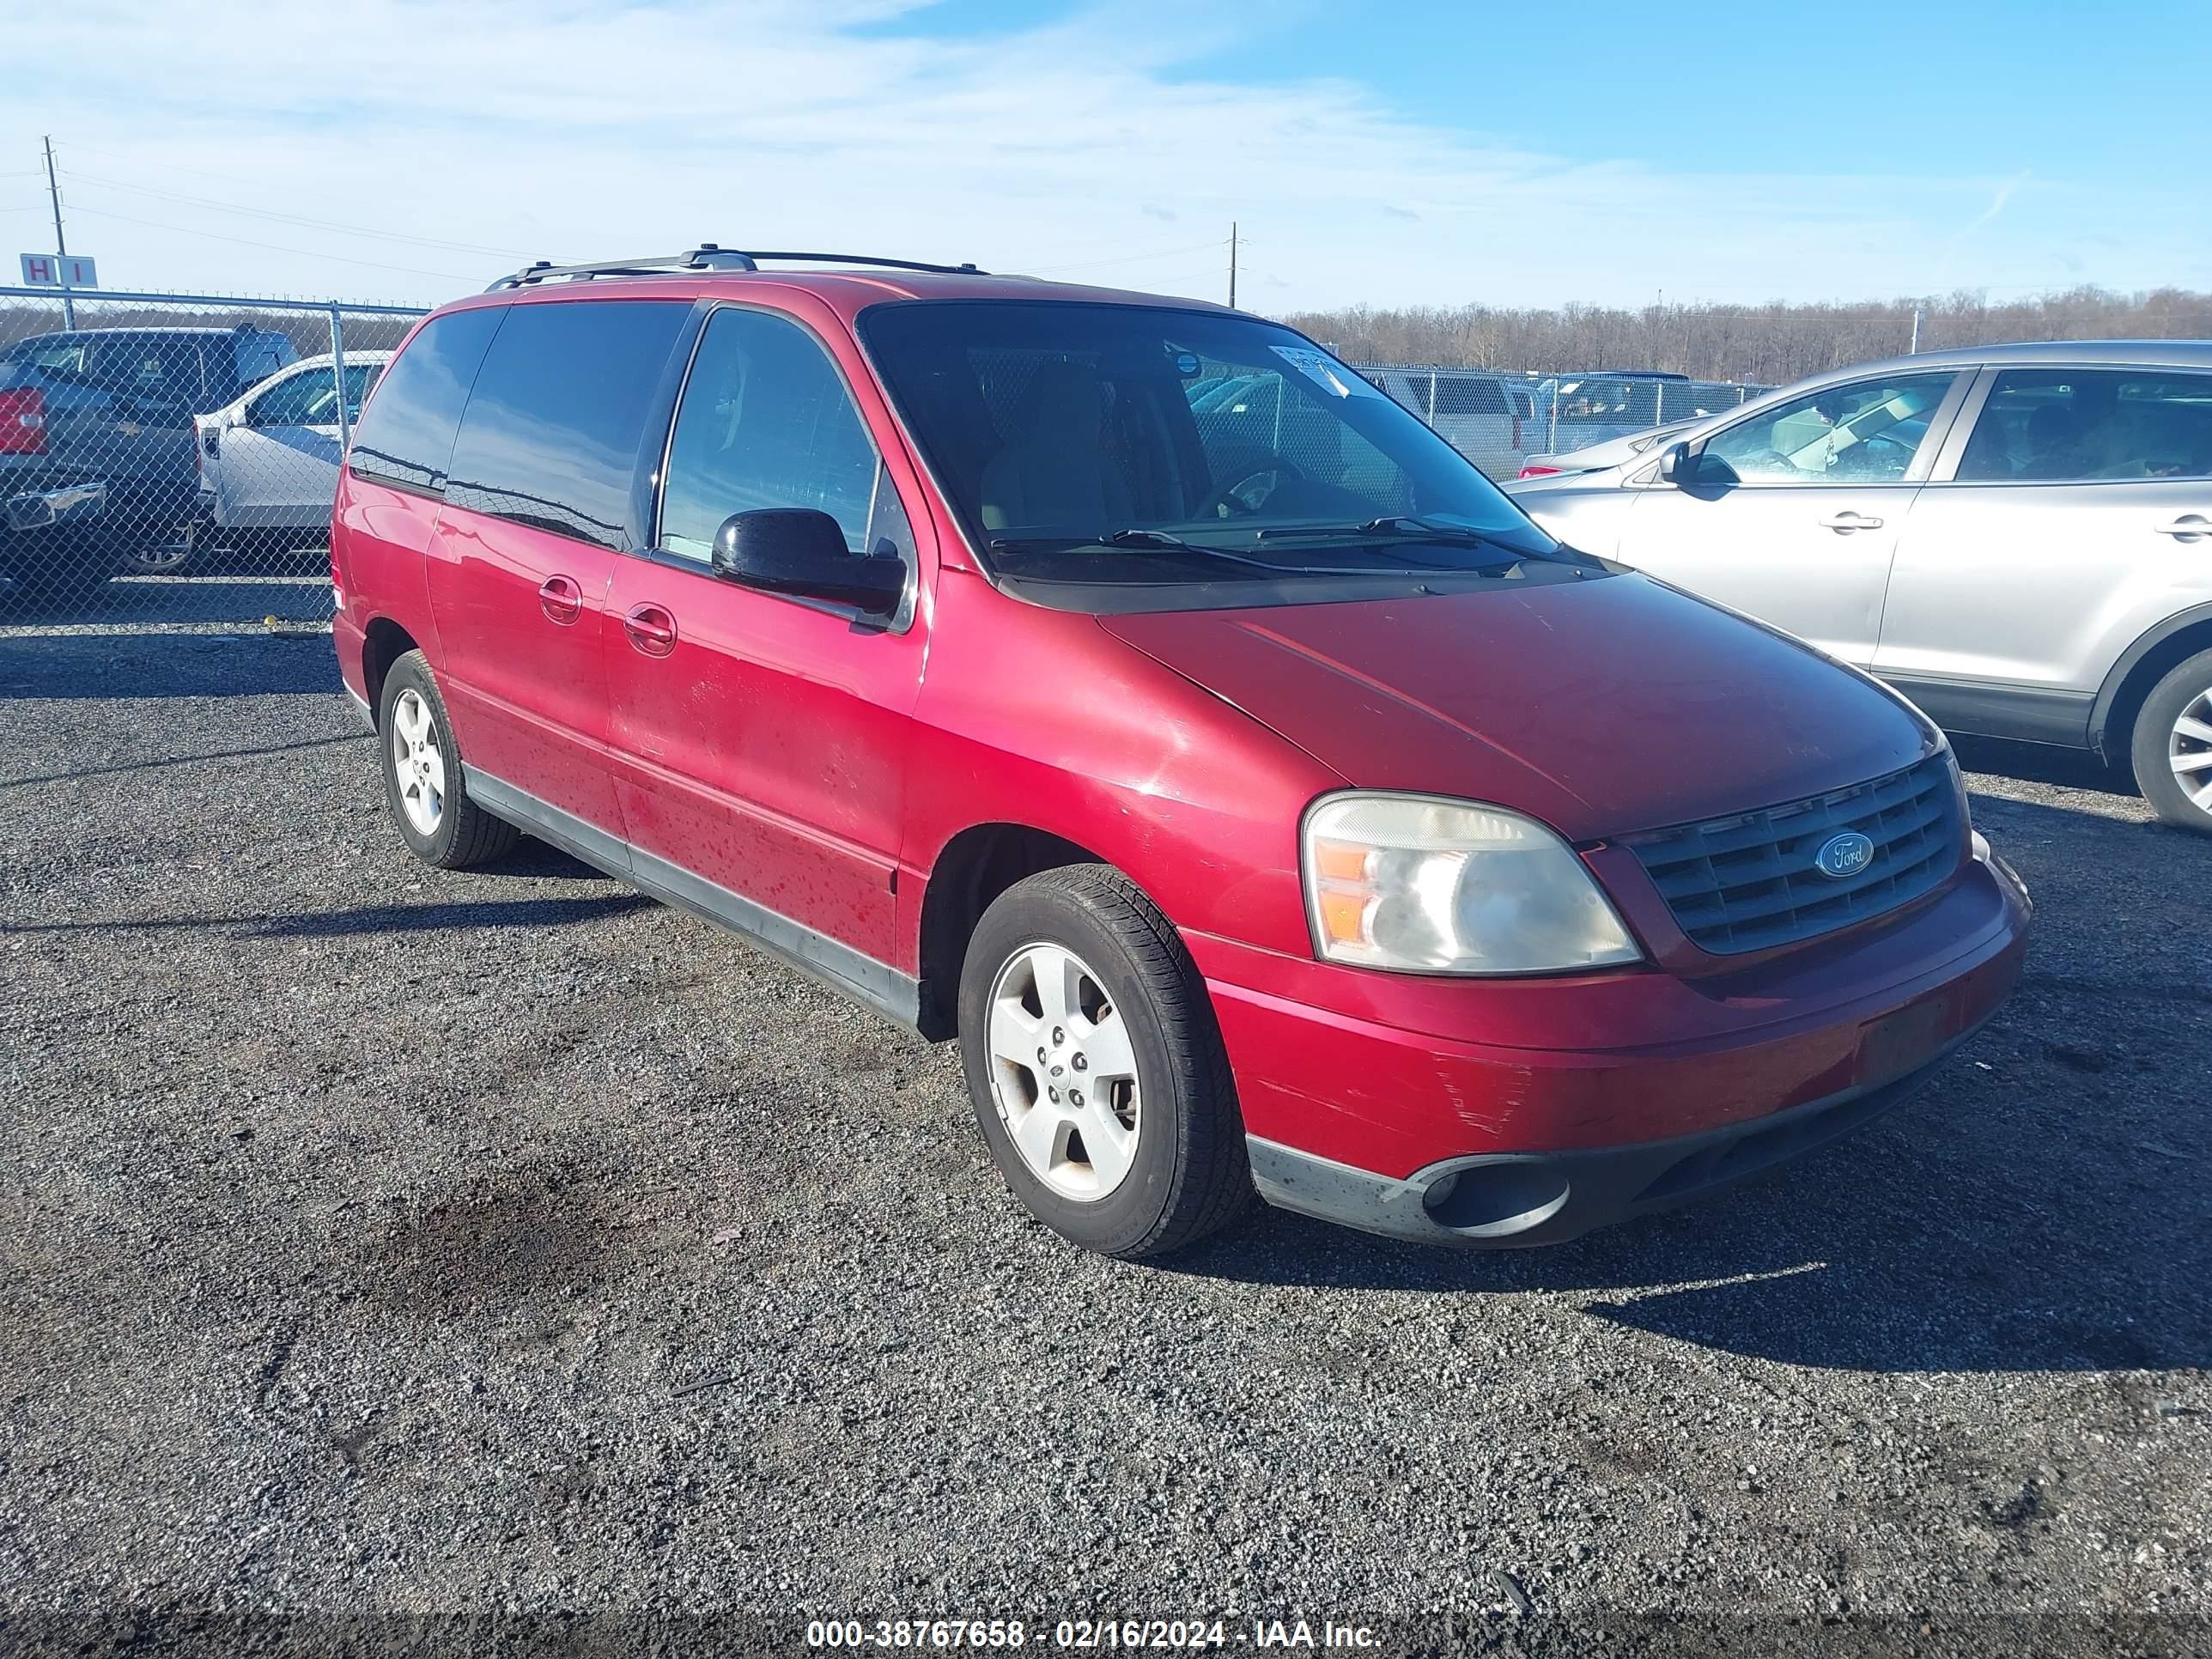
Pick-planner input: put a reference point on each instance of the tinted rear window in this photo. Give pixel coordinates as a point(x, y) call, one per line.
point(405, 436)
point(550, 436)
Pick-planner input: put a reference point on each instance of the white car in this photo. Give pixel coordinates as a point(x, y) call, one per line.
point(268, 462)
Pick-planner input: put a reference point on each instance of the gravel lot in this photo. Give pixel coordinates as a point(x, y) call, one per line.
point(379, 1240)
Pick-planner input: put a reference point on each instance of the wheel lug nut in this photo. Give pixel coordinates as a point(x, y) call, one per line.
point(1080, 1064)
point(1040, 1056)
point(1075, 1097)
point(1054, 1093)
point(1059, 1037)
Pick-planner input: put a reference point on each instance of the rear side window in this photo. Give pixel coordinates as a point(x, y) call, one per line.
point(550, 436)
point(1465, 394)
point(2084, 426)
point(405, 437)
point(146, 366)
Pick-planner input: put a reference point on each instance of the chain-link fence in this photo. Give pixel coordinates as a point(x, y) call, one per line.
point(169, 460)
point(1503, 421)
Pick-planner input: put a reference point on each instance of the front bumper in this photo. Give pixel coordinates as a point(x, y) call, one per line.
point(1566, 1104)
point(1519, 1199)
point(62, 507)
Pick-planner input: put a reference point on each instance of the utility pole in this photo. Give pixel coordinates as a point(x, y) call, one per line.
point(1914, 349)
point(1232, 264)
point(60, 247)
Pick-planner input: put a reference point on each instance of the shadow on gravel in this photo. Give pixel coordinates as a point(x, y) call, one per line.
point(1807, 1287)
point(182, 760)
point(2041, 1207)
point(535, 860)
point(166, 664)
point(2043, 763)
point(374, 919)
point(294, 596)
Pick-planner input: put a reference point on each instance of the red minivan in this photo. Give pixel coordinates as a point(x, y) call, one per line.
point(1125, 687)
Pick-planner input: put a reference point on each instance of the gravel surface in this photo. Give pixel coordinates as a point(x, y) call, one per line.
point(373, 1239)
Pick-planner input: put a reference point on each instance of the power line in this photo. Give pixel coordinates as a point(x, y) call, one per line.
point(277, 247)
point(301, 220)
point(1128, 259)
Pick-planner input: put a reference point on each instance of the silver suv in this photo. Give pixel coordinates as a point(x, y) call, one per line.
point(2018, 537)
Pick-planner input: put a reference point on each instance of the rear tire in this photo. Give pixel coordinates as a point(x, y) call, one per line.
point(1125, 1014)
point(423, 784)
point(2172, 748)
point(185, 552)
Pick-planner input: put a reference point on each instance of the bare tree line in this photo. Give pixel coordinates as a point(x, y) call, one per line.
point(1768, 345)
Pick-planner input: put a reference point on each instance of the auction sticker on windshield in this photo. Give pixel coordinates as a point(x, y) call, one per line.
point(1317, 366)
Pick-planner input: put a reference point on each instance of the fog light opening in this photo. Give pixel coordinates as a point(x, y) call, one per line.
point(1494, 1200)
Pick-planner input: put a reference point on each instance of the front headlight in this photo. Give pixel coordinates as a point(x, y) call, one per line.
point(1431, 886)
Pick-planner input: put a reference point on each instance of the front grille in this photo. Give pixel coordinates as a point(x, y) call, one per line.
point(1749, 882)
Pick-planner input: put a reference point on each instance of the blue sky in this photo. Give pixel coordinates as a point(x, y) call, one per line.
point(1411, 153)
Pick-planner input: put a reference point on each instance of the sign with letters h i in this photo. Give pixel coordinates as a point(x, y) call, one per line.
point(57, 271)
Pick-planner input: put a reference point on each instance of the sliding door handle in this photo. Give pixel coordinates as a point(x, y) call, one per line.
point(560, 600)
point(651, 629)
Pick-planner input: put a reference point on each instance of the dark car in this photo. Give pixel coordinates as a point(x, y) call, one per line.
point(97, 452)
point(1125, 689)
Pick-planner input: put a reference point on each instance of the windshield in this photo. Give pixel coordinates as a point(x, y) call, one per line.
point(1109, 443)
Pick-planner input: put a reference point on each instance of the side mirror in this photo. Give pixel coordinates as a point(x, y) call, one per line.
point(800, 550)
point(1677, 465)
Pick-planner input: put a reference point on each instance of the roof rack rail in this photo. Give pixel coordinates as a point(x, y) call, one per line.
point(708, 256)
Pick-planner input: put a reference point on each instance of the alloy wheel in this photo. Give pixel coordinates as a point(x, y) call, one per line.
point(418, 762)
point(2189, 749)
point(1064, 1073)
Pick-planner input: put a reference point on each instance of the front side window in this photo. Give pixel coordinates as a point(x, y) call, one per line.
point(1592, 401)
point(2098, 425)
point(766, 422)
point(309, 397)
point(1083, 443)
point(1866, 433)
point(550, 436)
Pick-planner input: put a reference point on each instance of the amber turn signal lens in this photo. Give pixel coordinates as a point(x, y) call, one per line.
point(1339, 860)
point(1343, 916)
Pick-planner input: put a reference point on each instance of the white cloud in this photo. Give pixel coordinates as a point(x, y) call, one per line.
point(574, 130)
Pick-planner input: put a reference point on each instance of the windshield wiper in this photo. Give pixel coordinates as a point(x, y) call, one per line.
point(1395, 525)
point(1162, 541)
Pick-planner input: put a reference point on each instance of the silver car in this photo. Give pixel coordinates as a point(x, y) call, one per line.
point(2018, 537)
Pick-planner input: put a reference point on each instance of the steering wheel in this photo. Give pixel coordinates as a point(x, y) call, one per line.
point(1224, 501)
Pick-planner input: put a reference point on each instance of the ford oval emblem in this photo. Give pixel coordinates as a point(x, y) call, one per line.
point(1843, 855)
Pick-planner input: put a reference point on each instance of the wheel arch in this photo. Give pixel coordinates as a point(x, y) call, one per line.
point(2140, 667)
point(383, 643)
point(974, 868)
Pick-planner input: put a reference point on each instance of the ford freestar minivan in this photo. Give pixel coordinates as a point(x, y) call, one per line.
point(1124, 687)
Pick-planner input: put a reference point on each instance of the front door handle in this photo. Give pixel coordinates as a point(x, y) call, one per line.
point(1847, 520)
point(560, 600)
point(651, 629)
point(2188, 526)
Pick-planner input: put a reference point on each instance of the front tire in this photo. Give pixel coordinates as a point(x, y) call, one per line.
point(1098, 1076)
point(2172, 749)
point(423, 784)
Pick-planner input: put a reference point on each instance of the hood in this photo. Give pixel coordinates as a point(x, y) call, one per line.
point(1600, 707)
